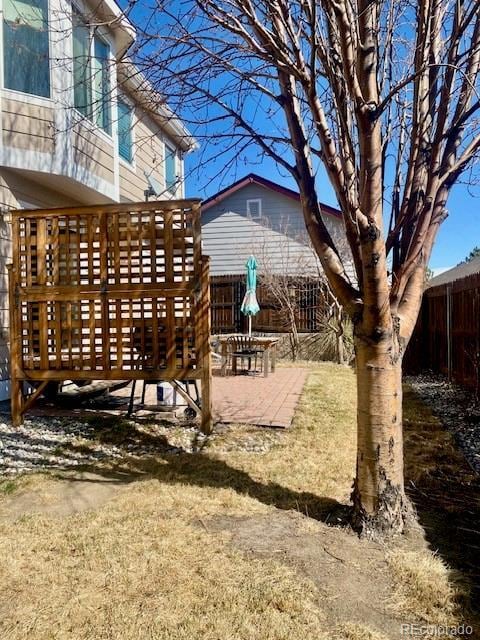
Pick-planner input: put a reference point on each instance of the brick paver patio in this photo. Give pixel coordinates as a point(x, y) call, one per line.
point(237, 399)
point(257, 400)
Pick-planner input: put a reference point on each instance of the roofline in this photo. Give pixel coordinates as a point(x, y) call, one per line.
point(113, 15)
point(151, 101)
point(253, 178)
point(455, 273)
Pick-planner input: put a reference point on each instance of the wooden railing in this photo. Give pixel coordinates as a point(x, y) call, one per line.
point(114, 292)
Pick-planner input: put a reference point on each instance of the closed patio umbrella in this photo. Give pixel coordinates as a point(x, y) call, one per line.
point(250, 305)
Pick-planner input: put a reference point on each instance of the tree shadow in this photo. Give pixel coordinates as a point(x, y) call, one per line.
point(202, 470)
point(444, 490)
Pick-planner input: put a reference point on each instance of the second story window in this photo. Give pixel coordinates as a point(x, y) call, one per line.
point(101, 85)
point(91, 74)
point(26, 47)
point(82, 92)
point(125, 131)
point(170, 169)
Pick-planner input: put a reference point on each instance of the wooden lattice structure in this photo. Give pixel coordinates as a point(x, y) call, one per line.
point(111, 292)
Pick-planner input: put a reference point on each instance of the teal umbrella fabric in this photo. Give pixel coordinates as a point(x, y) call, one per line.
point(250, 305)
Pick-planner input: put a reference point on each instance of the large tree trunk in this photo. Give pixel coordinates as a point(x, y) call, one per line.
point(379, 502)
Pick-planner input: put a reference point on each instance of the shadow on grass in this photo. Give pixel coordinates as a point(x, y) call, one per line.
point(444, 490)
point(202, 470)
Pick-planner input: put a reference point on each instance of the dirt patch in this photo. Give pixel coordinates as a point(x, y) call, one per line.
point(350, 574)
point(60, 495)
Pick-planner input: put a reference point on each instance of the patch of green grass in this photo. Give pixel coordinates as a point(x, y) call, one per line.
point(7, 487)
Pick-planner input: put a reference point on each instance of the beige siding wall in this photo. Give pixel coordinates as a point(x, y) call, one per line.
point(131, 185)
point(148, 159)
point(32, 127)
point(93, 152)
point(27, 126)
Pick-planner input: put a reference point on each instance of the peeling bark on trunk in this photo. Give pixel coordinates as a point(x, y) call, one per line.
point(379, 503)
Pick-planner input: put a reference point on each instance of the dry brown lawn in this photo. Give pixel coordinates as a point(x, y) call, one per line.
point(223, 544)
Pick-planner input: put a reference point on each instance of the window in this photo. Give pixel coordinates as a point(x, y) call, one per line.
point(25, 46)
point(170, 169)
point(82, 93)
point(91, 74)
point(254, 208)
point(125, 131)
point(101, 85)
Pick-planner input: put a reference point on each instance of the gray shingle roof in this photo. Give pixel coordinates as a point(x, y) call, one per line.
point(461, 271)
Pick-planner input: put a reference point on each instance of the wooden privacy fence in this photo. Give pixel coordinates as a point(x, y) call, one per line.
point(447, 335)
point(226, 298)
point(114, 292)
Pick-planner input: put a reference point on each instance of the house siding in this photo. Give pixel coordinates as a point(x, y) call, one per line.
point(148, 154)
point(27, 126)
point(148, 160)
point(279, 239)
point(93, 152)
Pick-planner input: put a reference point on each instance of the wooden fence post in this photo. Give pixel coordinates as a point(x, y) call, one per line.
point(16, 385)
point(449, 330)
point(205, 358)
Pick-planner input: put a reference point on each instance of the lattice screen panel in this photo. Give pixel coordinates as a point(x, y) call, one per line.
point(109, 292)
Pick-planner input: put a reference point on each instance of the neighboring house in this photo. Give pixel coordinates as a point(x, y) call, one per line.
point(77, 125)
point(462, 270)
point(256, 215)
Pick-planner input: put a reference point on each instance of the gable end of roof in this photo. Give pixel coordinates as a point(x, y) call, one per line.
point(253, 178)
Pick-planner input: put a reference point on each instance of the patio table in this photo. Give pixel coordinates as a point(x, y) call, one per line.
point(266, 344)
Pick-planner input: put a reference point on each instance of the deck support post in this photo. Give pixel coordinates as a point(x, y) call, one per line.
point(206, 358)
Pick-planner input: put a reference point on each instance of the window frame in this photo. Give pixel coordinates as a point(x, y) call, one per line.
point(88, 107)
point(124, 100)
point(106, 100)
point(23, 96)
point(171, 188)
point(249, 213)
point(95, 34)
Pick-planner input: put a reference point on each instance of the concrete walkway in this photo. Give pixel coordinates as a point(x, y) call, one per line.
point(257, 400)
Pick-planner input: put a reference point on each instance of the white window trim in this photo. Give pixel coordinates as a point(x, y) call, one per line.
point(21, 96)
point(129, 165)
point(122, 97)
point(91, 127)
point(104, 35)
point(28, 98)
point(176, 185)
point(257, 201)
